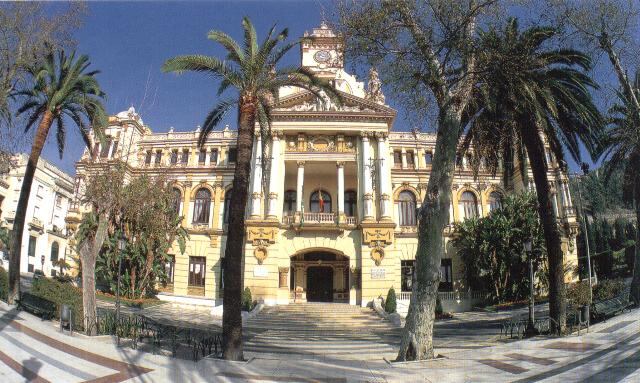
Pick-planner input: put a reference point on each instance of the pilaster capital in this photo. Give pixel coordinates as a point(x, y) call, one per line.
point(381, 136)
point(300, 164)
point(368, 196)
point(273, 195)
point(277, 134)
point(340, 164)
point(365, 135)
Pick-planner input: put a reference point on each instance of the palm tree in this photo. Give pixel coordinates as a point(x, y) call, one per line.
point(62, 88)
point(530, 96)
point(621, 146)
point(251, 70)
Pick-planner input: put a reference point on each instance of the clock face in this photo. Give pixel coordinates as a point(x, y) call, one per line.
point(322, 56)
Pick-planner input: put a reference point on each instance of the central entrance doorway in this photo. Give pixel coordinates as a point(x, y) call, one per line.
point(319, 276)
point(319, 284)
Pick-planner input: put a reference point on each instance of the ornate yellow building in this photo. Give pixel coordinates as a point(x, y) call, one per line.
point(334, 217)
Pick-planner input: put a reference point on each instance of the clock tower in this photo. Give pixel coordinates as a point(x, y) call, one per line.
point(322, 51)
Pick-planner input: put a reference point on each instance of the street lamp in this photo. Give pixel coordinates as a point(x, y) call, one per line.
point(531, 328)
point(122, 242)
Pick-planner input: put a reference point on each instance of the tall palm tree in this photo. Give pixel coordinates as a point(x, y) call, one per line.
point(251, 71)
point(621, 146)
point(61, 88)
point(528, 97)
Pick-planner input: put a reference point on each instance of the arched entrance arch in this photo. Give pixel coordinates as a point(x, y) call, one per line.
point(320, 275)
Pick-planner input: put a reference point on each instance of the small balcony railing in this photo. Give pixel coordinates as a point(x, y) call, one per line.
point(317, 218)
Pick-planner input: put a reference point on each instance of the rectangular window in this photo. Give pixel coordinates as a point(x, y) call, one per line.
point(397, 159)
point(58, 201)
point(32, 247)
point(30, 268)
point(185, 157)
point(202, 157)
point(428, 157)
point(104, 151)
point(147, 158)
point(40, 192)
point(174, 157)
point(158, 157)
point(406, 269)
point(446, 276)
point(197, 267)
point(36, 211)
point(459, 161)
point(410, 162)
point(115, 148)
point(233, 155)
point(214, 157)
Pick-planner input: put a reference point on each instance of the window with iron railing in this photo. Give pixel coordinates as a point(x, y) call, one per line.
point(202, 157)
point(174, 157)
point(185, 157)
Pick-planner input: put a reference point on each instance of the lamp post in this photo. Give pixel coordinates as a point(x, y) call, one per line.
point(531, 328)
point(122, 241)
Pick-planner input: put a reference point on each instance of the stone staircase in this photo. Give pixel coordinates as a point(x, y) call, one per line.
point(320, 330)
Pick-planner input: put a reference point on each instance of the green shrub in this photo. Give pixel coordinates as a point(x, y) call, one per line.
point(608, 288)
point(247, 303)
point(60, 293)
point(390, 302)
point(4, 284)
point(578, 293)
point(439, 310)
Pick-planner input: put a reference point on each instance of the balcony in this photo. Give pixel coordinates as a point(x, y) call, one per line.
point(325, 219)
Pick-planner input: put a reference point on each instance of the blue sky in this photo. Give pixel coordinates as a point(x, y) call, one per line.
point(129, 41)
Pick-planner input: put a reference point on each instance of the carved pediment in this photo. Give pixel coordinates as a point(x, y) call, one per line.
point(305, 101)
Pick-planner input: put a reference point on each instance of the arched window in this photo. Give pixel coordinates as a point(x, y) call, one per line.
point(289, 202)
point(469, 205)
point(55, 250)
point(350, 203)
point(201, 206)
point(320, 202)
point(495, 201)
point(176, 197)
point(227, 203)
point(407, 208)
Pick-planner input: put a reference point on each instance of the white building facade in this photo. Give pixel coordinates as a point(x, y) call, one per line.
point(45, 239)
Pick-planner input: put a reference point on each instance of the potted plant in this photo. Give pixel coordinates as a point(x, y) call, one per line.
point(579, 296)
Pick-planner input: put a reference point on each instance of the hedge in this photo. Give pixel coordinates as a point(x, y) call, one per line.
point(390, 302)
point(60, 293)
point(247, 302)
point(4, 284)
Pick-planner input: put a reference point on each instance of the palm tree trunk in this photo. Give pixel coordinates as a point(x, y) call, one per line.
point(23, 202)
point(416, 342)
point(233, 278)
point(557, 293)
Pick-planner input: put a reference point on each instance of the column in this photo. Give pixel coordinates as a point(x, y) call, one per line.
point(299, 186)
point(273, 176)
point(207, 157)
point(568, 193)
point(256, 187)
point(110, 148)
point(384, 178)
point(366, 174)
point(186, 204)
point(340, 166)
point(404, 158)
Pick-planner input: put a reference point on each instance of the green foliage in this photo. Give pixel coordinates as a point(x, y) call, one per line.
point(491, 248)
point(390, 302)
point(4, 284)
point(4, 239)
point(60, 293)
point(578, 293)
point(599, 195)
point(151, 227)
point(608, 288)
point(247, 302)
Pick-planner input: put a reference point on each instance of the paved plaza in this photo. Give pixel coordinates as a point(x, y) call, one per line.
point(35, 351)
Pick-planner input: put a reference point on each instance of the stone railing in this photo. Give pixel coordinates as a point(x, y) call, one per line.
point(448, 295)
point(319, 217)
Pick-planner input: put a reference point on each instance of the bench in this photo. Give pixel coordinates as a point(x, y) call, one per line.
point(37, 305)
point(609, 307)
